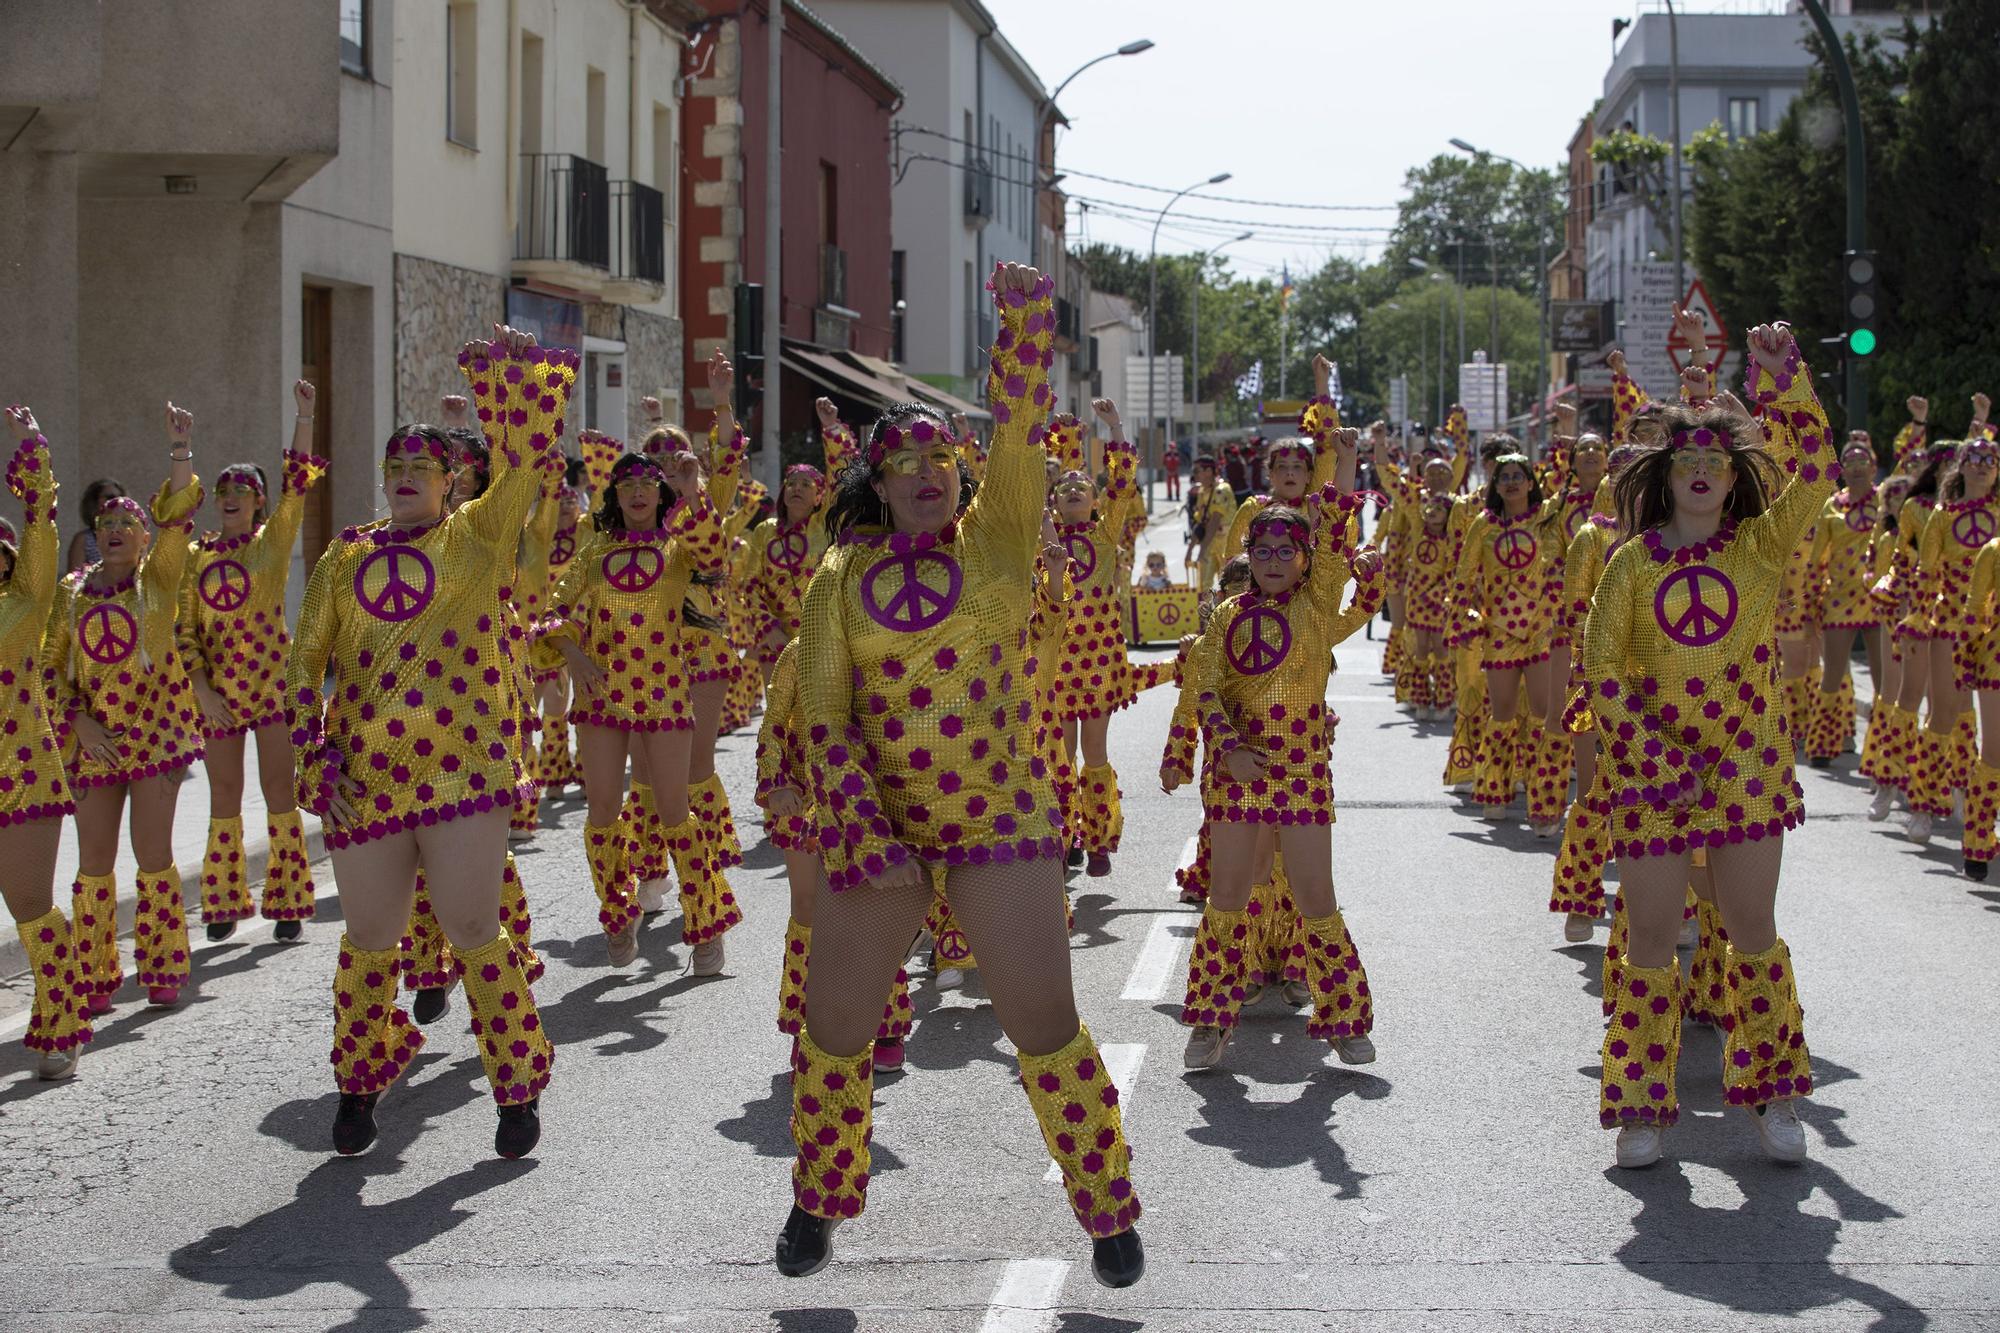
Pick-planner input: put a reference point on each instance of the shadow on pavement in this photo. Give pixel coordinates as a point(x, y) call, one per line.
point(1767, 1254)
point(1073, 1321)
point(815, 1321)
point(327, 1234)
point(1282, 1134)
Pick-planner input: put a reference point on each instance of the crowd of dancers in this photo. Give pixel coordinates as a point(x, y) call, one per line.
point(937, 629)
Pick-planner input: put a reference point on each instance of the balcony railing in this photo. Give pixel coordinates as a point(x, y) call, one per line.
point(832, 276)
point(639, 234)
point(565, 211)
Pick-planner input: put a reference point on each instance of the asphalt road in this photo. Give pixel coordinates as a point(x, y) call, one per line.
point(183, 1181)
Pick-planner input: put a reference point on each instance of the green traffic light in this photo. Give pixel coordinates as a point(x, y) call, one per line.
point(1861, 342)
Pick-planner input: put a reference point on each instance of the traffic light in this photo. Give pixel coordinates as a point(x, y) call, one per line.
point(748, 353)
point(1864, 305)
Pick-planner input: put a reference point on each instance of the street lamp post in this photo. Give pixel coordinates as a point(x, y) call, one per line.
point(1041, 128)
point(1194, 353)
point(1153, 327)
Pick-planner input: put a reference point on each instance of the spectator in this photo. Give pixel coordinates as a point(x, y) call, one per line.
point(83, 547)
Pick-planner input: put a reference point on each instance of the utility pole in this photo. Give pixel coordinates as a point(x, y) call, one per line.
point(1857, 192)
point(770, 465)
point(1674, 130)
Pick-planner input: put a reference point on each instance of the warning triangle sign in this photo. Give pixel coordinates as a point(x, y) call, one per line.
point(1697, 302)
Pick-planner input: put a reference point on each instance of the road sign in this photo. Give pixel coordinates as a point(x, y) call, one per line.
point(1579, 326)
point(1482, 387)
point(1697, 302)
point(1399, 400)
point(1144, 401)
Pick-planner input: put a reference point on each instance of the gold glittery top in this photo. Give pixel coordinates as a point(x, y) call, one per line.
point(232, 604)
point(31, 771)
point(1679, 653)
point(914, 689)
point(414, 623)
point(1952, 538)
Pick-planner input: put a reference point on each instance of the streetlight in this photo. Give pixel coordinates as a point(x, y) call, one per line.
point(1542, 276)
point(1194, 356)
point(1153, 323)
point(1041, 127)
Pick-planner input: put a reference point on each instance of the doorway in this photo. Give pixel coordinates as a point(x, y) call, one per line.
point(604, 379)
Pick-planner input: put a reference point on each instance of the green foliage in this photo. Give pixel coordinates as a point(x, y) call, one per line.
point(1768, 225)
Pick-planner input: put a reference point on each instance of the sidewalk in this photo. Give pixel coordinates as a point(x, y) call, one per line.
point(190, 844)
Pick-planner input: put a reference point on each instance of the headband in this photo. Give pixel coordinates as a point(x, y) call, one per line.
point(806, 470)
point(419, 444)
point(1288, 524)
point(641, 466)
point(572, 494)
point(1702, 437)
point(1502, 460)
point(1077, 474)
point(128, 503)
point(1302, 449)
point(243, 475)
point(889, 439)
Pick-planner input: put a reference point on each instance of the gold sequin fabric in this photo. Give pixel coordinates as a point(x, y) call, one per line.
point(1843, 569)
point(31, 769)
point(110, 652)
point(1091, 679)
point(414, 624)
point(232, 610)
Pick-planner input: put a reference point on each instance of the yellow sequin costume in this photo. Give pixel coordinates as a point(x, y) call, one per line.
point(1679, 657)
point(1091, 675)
point(232, 608)
point(111, 653)
point(414, 624)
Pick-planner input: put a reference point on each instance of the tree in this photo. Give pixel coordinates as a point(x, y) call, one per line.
point(1454, 202)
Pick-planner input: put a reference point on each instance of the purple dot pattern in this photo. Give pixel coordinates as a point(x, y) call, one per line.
point(514, 1050)
point(1076, 1104)
point(1642, 1048)
point(1764, 1055)
point(60, 1018)
point(832, 1126)
point(373, 1040)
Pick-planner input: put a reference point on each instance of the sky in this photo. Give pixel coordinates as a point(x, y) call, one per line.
point(1318, 102)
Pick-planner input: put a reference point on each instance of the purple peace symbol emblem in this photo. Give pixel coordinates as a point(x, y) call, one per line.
point(1427, 551)
point(396, 583)
point(1461, 756)
point(1859, 519)
point(633, 568)
point(107, 633)
point(1169, 614)
point(563, 549)
point(1258, 640)
point(1515, 548)
point(225, 585)
point(1695, 606)
point(914, 605)
point(1576, 520)
point(1084, 552)
point(787, 550)
point(1973, 528)
point(951, 945)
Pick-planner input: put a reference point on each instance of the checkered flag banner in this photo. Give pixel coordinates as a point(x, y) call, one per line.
point(1250, 384)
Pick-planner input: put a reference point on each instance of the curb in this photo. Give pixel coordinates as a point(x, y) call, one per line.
point(256, 859)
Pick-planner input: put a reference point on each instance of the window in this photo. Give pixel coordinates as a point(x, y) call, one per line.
point(531, 94)
point(1742, 117)
point(461, 75)
point(829, 204)
point(593, 115)
point(354, 36)
point(665, 177)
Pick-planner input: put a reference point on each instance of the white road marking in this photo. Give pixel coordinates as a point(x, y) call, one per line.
point(1025, 1299)
point(1158, 961)
point(1121, 1062)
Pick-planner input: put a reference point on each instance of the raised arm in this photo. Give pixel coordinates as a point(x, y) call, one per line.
point(520, 392)
point(1910, 439)
point(173, 514)
point(31, 477)
point(835, 437)
point(1797, 435)
point(1009, 504)
point(301, 471)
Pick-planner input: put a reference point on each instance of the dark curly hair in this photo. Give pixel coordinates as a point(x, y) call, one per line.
point(1645, 498)
point(855, 504)
point(1497, 506)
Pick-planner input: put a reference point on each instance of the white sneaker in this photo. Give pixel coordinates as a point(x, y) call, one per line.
point(1918, 829)
point(54, 1066)
point(1577, 927)
point(707, 958)
point(1297, 994)
point(1640, 1145)
point(1459, 788)
point(1546, 830)
point(1205, 1047)
point(1253, 993)
point(1878, 809)
point(624, 946)
point(1354, 1050)
point(520, 834)
point(1690, 933)
point(653, 896)
point(1783, 1136)
point(1494, 814)
point(949, 978)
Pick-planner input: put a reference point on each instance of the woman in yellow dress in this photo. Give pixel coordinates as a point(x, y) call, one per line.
point(1679, 663)
point(234, 642)
point(918, 712)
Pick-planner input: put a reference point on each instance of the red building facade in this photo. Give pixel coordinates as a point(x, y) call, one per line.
point(833, 196)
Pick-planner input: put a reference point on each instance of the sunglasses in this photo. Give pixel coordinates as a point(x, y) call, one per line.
point(230, 490)
point(908, 462)
point(1710, 462)
point(637, 487)
point(120, 525)
point(396, 469)
point(1279, 553)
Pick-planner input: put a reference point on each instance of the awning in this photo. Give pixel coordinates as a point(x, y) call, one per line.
point(918, 389)
point(832, 373)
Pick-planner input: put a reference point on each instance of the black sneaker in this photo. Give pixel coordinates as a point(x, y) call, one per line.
point(1818, 762)
point(1976, 870)
point(354, 1123)
point(220, 930)
point(286, 930)
point(520, 1129)
point(806, 1243)
point(1075, 857)
point(431, 1004)
point(1118, 1261)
